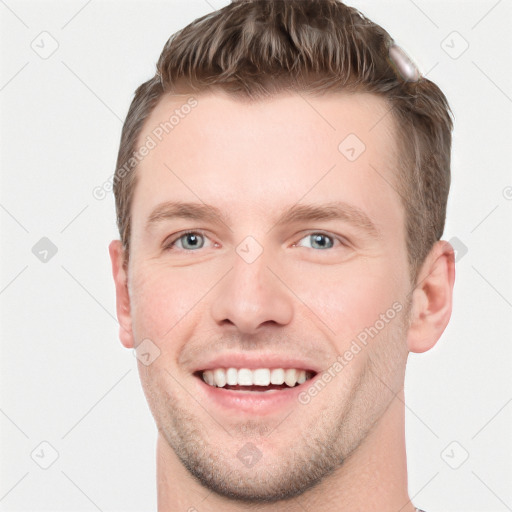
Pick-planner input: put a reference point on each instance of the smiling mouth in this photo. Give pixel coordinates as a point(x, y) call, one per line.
point(257, 380)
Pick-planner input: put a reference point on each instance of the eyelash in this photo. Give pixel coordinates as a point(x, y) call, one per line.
point(169, 245)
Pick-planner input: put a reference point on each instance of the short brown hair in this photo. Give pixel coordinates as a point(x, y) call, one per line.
point(253, 49)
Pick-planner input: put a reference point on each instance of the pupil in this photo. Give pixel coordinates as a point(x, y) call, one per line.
point(318, 240)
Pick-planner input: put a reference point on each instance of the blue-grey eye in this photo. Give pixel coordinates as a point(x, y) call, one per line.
point(320, 241)
point(192, 240)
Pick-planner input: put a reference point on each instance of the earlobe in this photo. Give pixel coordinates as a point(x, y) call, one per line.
point(432, 298)
point(119, 272)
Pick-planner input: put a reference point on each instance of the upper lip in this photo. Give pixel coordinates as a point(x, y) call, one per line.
point(255, 361)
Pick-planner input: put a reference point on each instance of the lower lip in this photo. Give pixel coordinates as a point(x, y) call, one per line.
point(253, 402)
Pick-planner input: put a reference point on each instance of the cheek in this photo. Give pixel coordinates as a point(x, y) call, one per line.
point(347, 299)
point(164, 298)
point(161, 298)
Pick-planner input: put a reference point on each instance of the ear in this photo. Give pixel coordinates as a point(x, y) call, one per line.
point(119, 271)
point(432, 298)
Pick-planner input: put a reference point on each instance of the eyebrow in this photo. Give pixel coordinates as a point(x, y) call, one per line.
point(337, 210)
point(194, 211)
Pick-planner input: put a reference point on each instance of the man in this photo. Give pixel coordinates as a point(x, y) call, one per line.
point(281, 194)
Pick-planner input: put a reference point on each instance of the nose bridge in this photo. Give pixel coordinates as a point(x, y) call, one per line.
point(251, 294)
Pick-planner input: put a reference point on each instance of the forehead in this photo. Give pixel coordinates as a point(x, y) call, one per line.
point(259, 157)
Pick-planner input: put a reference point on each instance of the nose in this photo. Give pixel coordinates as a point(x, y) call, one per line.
point(251, 295)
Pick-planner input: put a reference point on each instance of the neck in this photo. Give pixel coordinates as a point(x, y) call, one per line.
point(373, 477)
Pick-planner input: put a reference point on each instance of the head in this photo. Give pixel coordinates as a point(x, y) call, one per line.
point(268, 97)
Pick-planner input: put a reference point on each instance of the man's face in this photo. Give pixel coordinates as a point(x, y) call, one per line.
point(258, 291)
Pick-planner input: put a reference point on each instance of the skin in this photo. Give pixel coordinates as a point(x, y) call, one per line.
point(345, 449)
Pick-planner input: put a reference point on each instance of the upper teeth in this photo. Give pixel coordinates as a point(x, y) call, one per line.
point(259, 377)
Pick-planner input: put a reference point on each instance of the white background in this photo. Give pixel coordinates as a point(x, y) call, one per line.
point(65, 378)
